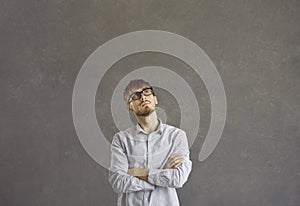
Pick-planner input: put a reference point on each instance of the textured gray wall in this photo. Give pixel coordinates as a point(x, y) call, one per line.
point(254, 45)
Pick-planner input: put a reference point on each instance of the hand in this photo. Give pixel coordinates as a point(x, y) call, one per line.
point(174, 161)
point(141, 173)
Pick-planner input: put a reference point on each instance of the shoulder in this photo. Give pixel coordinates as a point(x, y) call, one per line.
point(173, 131)
point(177, 136)
point(124, 134)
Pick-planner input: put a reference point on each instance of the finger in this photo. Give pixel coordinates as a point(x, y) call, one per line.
point(176, 158)
point(174, 155)
point(179, 161)
point(172, 160)
point(177, 165)
point(169, 164)
point(176, 162)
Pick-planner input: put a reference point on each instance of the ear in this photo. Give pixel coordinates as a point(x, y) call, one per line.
point(155, 100)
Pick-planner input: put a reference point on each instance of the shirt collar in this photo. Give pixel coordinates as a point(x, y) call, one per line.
point(159, 128)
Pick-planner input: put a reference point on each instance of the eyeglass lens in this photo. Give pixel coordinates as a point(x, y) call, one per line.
point(146, 92)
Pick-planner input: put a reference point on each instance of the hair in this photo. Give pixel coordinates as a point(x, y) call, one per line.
point(134, 84)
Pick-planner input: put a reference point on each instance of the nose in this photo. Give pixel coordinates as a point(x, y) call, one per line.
point(143, 97)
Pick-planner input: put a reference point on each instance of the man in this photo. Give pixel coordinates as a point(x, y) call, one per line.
point(151, 159)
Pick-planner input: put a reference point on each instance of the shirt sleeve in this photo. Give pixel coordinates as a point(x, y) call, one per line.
point(178, 176)
point(119, 179)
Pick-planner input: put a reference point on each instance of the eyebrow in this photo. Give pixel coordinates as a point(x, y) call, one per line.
point(146, 87)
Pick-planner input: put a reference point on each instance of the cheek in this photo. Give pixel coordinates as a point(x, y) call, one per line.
point(135, 106)
point(153, 105)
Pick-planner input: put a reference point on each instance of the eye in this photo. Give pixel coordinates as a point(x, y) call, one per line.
point(147, 92)
point(135, 96)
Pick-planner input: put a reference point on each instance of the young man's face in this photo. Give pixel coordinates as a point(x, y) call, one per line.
point(143, 106)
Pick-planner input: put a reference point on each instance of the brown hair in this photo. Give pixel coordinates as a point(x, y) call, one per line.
point(133, 84)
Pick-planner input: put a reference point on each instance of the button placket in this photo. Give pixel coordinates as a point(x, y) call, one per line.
point(147, 166)
point(148, 150)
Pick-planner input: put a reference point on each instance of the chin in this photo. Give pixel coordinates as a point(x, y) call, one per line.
point(145, 113)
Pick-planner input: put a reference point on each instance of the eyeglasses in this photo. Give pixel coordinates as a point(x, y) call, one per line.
point(137, 95)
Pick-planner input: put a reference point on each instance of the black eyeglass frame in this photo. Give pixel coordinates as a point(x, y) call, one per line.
point(139, 94)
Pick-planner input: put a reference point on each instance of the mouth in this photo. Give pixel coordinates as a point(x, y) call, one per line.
point(145, 103)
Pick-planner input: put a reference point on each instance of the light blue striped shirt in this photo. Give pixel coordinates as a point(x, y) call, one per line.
point(136, 148)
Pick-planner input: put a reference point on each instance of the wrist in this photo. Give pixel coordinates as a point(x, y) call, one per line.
point(138, 172)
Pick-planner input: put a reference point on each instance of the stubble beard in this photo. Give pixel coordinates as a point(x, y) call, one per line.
point(145, 113)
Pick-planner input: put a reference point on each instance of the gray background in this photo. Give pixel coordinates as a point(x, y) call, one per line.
point(254, 45)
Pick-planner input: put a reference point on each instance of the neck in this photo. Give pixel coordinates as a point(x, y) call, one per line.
point(148, 123)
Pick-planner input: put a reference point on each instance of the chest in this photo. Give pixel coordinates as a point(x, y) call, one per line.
point(149, 152)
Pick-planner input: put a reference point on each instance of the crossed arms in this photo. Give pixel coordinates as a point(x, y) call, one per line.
point(173, 162)
point(174, 174)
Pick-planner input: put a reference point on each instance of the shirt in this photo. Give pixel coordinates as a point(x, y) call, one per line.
point(136, 148)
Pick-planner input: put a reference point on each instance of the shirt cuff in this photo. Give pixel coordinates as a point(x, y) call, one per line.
point(154, 174)
point(147, 185)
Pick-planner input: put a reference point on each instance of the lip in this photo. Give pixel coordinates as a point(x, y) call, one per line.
point(145, 103)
